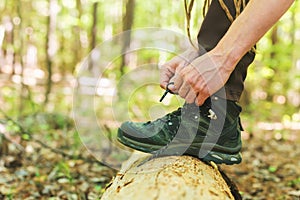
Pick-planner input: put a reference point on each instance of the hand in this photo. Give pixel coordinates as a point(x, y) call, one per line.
point(202, 78)
point(169, 69)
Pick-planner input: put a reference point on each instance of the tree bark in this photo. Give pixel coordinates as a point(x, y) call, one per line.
point(22, 90)
point(50, 48)
point(93, 37)
point(127, 26)
point(171, 177)
point(77, 47)
point(94, 26)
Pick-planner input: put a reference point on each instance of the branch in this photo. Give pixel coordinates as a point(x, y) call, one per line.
point(54, 150)
point(18, 146)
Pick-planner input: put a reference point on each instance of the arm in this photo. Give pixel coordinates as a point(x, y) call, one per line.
point(257, 18)
point(208, 73)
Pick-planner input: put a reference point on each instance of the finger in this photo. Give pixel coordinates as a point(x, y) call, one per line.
point(184, 90)
point(165, 76)
point(164, 82)
point(168, 70)
point(201, 97)
point(191, 97)
point(189, 77)
point(199, 100)
point(177, 80)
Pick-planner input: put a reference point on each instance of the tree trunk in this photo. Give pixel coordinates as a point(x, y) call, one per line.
point(127, 25)
point(94, 26)
point(171, 177)
point(77, 48)
point(50, 45)
point(93, 37)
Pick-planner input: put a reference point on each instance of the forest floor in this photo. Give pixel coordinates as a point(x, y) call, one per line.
point(270, 168)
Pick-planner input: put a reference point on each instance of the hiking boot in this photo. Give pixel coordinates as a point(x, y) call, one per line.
point(211, 132)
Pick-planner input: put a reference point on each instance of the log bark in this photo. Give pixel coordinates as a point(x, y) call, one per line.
point(171, 177)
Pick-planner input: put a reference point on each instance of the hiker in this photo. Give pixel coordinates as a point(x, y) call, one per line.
point(211, 80)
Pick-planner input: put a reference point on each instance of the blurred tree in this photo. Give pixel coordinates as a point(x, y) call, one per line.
point(94, 26)
point(50, 45)
point(127, 25)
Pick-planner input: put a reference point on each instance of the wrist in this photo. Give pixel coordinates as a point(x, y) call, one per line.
point(227, 57)
point(191, 54)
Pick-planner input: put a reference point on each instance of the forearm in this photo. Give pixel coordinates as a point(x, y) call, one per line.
point(257, 18)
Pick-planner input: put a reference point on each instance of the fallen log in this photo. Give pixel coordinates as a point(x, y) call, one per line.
point(171, 177)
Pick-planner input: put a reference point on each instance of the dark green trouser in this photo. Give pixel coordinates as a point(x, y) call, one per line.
point(213, 28)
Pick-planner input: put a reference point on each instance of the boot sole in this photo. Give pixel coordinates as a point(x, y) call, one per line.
point(207, 151)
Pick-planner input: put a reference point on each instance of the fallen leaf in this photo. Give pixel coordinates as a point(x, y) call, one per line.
point(295, 193)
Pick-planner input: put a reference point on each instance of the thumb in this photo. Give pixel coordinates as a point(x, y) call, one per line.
point(171, 85)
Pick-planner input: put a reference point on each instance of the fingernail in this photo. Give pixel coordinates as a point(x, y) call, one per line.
point(171, 87)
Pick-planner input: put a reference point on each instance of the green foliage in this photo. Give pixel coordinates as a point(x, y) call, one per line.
point(294, 183)
point(275, 68)
point(63, 171)
point(272, 169)
point(41, 122)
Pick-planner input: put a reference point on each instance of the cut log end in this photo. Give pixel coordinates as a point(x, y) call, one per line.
point(172, 177)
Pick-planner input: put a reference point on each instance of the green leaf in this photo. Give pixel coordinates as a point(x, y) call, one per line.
point(272, 169)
